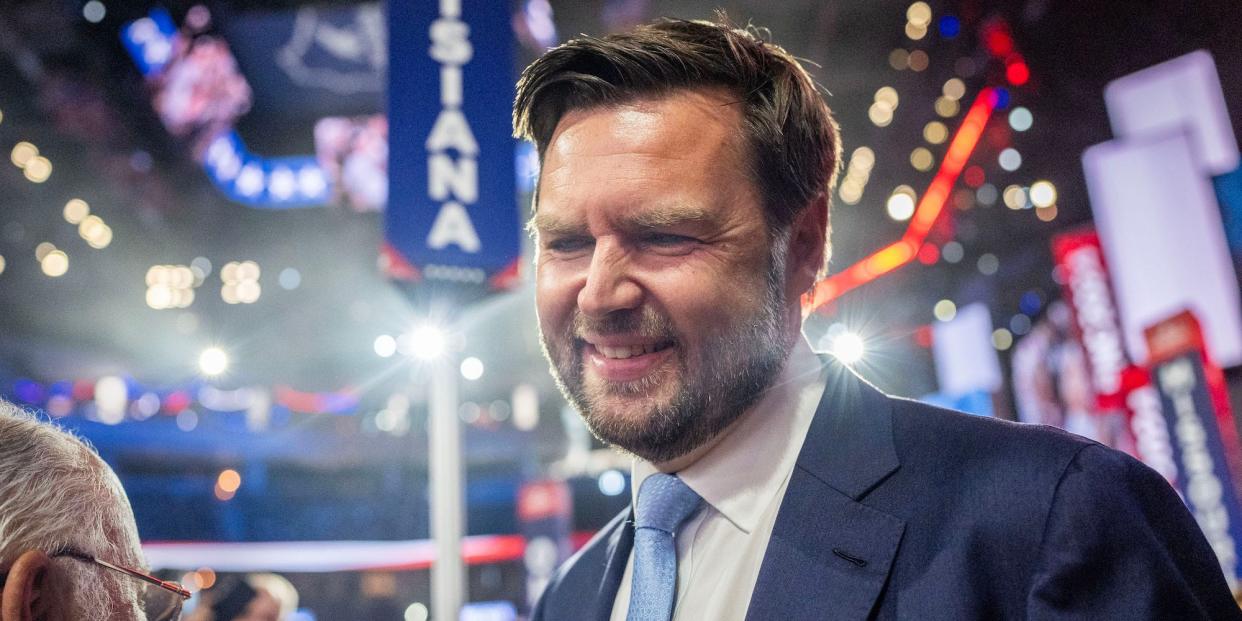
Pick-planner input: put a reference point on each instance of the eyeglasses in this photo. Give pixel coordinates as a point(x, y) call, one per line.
point(162, 604)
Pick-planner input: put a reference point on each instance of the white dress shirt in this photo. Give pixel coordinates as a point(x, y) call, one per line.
point(742, 480)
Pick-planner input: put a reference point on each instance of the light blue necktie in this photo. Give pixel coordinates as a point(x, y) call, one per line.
point(664, 503)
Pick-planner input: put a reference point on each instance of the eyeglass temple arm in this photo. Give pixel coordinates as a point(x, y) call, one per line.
point(163, 584)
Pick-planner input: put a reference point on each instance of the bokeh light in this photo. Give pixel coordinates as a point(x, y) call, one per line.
point(22, 153)
point(385, 346)
point(94, 11)
point(899, 59)
point(918, 60)
point(1010, 159)
point(954, 89)
point(1015, 197)
point(880, 113)
point(888, 95)
point(229, 480)
point(1017, 73)
point(1002, 339)
point(1020, 324)
point(1043, 193)
point(472, 368)
point(987, 264)
point(950, 26)
point(55, 263)
point(416, 612)
point(935, 132)
point(289, 279)
point(76, 210)
point(922, 159)
point(987, 194)
point(1020, 119)
point(919, 14)
point(611, 482)
point(42, 249)
point(38, 169)
point(944, 310)
point(900, 207)
point(946, 107)
point(953, 252)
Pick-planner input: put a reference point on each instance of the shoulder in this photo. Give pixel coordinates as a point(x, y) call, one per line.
point(956, 466)
point(929, 435)
point(1019, 467)
point(1118, 522)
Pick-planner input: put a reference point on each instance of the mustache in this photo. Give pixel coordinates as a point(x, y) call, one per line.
point(645, 322)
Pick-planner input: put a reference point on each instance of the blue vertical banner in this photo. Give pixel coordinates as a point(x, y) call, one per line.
point(1204, 437)
point(452, 221)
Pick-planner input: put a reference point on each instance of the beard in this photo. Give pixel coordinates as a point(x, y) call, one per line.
point(715, 385)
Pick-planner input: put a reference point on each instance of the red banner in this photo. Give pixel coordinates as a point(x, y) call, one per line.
point(1080, 260)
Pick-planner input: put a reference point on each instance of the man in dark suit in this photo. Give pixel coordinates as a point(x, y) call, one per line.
point(681, 211)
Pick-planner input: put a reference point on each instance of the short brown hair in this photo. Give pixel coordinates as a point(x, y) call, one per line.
point(794, 143)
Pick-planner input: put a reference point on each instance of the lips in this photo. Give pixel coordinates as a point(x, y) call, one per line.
point(629, 351)
point(626, 362)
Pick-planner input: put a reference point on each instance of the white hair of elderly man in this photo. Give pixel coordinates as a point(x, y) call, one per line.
point(56, 494)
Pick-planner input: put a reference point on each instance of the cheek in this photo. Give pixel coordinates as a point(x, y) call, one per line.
point(554, 302)
point(709, 302)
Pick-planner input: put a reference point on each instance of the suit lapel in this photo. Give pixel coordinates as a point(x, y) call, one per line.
point(830, 555)
point(620, 542)
point(587, 584)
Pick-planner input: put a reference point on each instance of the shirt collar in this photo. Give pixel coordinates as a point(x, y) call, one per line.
point(740, 476)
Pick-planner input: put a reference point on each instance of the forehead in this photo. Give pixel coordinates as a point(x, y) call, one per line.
point(677, 148)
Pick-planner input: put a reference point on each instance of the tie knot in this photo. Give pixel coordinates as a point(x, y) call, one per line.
point(664, 502)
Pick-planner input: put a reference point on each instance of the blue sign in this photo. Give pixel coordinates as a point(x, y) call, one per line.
point(158, 48)
point(151, 41)
point(265, 182)
point(1229, 193)
point(1203, 469)
point(452, 216)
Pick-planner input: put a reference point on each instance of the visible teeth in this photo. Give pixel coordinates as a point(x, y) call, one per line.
point(621, 353)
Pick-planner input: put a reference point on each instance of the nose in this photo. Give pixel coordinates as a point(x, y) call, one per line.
point(610, 285)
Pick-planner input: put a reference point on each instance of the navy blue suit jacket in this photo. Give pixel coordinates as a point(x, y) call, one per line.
point(899, 510)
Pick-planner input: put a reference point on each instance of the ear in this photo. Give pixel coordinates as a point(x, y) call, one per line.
point(24, 586)
point(808, 239)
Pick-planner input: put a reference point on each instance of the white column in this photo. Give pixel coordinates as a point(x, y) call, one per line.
point(448, 585)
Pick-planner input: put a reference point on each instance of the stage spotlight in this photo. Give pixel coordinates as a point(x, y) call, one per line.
point(848, 347)
point(213, 361)
point(425, 342)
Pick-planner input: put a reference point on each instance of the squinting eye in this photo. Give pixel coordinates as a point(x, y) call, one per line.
point(569, 244)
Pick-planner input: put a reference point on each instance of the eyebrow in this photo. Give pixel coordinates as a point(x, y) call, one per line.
point(654, 218)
